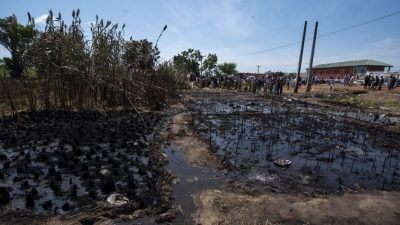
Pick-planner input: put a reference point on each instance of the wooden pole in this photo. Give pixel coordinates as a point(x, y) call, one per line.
point(312, 58)
point(296, 87)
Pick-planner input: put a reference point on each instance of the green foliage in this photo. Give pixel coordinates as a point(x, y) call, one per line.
point(140, 55)
point(4, 70)
point(227, 68)
point(6, 64)
point(16, 38)
point(189, 61)
point(210, 64)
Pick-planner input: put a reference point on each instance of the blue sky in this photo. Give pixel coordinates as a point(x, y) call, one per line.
point(234, 28)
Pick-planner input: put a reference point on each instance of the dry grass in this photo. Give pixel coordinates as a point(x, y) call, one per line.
point(219, 207)
point(355, 96)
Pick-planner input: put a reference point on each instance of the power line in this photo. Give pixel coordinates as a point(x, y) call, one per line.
point(360, 24)
point(323, 35)
point(272, 49)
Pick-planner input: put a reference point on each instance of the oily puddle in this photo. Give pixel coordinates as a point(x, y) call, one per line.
point(188, 181)
point(327, 151)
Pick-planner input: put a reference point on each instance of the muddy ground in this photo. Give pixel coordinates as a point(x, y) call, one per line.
point(345, 161)
point(209, 160)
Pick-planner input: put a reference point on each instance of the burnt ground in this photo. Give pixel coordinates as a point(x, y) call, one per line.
point(345, 162)
point(330, 149)
point(207, 161)
point(64, 163)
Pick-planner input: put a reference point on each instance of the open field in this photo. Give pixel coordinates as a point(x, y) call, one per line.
point(355, 96)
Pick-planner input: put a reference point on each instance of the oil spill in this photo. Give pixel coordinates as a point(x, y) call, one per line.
point(59, 161)
point(329, 149)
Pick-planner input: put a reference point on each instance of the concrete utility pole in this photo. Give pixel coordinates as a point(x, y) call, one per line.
point(258, 69)
point(296, 87)
point(312, 58)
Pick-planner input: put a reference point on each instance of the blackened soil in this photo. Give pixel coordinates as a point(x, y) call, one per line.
point(59, 161)
point(330, 150)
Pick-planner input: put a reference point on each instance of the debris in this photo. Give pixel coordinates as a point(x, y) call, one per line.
point(167, 216)
point(105, 172)
point(117, 199)
point(283, 162)
point(139, 213)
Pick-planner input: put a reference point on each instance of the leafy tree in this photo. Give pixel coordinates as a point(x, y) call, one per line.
point(16, 39)
point(210, 63)
point(279, 74)
point(140, 55)
point(189, 60)
point(6, 63)
point(227, 68)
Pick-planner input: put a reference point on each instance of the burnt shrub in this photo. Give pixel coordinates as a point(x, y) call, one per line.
point(29, 200)
point(107, 184)
point(4, 196)
point(47, 205)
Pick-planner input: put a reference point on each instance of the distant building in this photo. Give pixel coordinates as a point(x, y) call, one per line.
point(340, 69)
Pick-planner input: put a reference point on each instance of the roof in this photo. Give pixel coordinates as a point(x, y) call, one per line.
point(365, 62)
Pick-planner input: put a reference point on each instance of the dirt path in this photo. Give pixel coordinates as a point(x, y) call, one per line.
point(219, 207)
point(196, 149)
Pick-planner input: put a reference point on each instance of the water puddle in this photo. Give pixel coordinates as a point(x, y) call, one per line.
point(188, 181)
point(328, 150)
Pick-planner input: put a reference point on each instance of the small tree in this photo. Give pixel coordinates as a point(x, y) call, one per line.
point(140, 56)
point(189, 61)
point(227, 68)
point(210, 64)
point(16, 39)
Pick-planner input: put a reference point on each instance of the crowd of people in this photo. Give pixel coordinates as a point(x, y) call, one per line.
point(376, 83)
point(273, 85)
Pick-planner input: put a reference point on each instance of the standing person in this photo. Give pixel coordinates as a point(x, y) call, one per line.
point(392, 82)
point(245, 85)
point(346, 80)
point(277, 85)
point(366, 81)
point(221, 83)
point(371, 82)
point(288, 80)
point(381, 81)
point(271, 85)
point(282, 83)
point(352, 79)
point(375, 84)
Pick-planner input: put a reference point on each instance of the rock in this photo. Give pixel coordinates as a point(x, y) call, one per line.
point(283, 162)
point(167, 216)
point(105, 172)
point(117, 199)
